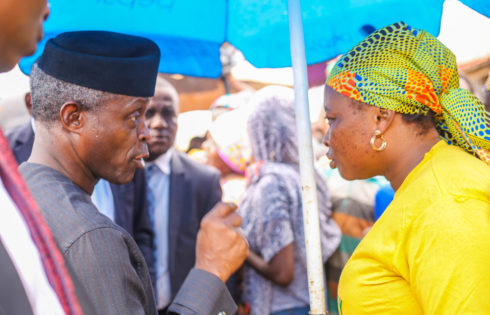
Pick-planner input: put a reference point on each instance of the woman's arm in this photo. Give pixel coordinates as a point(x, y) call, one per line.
point(279, 270)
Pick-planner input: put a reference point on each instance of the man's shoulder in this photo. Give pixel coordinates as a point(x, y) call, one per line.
point(187, 165)
point(67, 209)
point(103, 236)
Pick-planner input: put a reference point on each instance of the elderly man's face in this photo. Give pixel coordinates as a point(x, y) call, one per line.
point(114, 141)
point(161, 119)
point(21, 27)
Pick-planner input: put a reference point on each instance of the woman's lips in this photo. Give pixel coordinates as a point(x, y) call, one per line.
point(332, 162)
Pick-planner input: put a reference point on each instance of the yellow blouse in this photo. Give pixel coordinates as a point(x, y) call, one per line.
point(429, 253)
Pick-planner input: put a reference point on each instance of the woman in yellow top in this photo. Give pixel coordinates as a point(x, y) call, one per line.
point(395, 109)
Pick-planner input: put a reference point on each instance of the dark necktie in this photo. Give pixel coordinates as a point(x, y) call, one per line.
point(150, 172)
point(52, 260)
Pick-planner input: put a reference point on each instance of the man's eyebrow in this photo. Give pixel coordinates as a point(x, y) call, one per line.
point(137, 102)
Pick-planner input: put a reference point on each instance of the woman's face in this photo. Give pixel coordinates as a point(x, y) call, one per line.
point(351, 126)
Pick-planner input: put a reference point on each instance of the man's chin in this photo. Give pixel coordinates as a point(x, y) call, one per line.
point(122, 179)
point(156, 151)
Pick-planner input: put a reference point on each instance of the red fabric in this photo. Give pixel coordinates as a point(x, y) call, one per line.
point(53, 262)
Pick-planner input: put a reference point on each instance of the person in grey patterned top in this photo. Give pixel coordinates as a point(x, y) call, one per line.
point(275, 278)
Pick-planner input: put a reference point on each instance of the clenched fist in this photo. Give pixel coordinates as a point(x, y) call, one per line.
point(221, 248)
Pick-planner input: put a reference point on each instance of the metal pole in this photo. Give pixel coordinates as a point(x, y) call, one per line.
point(314, 261)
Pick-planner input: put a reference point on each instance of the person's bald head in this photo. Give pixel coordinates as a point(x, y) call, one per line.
point(161, 118)
point(164, 87)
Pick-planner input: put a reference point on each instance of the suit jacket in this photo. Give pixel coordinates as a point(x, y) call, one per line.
point(194, 190)
point(190, 299)
point(21, 139)
point(130, 204)
point(131, 213)
point(104, 257)
point(13, 298)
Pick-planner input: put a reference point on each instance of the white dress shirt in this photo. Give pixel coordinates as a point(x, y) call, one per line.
point(103, 199)
point(15, 237)
point(158, 179)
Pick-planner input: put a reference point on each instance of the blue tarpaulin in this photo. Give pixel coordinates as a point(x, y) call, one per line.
point(190, 33)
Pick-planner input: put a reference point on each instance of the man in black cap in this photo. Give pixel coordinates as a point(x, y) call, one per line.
point(126, 205)
point(89, 92)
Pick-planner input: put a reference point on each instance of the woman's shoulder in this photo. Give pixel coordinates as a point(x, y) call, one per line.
point(459, 173)
point(447, 176)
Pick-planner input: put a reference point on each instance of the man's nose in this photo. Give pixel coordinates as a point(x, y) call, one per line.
point(158, 122)
point(143, 132)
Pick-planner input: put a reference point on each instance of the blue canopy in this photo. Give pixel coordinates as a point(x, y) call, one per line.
point(190, 33)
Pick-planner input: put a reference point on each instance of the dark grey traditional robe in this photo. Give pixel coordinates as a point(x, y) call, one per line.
point(103, 256)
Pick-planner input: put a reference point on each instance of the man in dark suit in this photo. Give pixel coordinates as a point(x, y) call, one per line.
point(128, 209)
point(180, 193)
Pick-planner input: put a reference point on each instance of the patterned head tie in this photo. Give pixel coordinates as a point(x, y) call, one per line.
point(409, 71)
point(229, 132)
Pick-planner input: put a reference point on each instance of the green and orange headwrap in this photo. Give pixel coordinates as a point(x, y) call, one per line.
point(410, 72)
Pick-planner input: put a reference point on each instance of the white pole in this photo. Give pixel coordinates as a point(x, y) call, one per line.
point(316, 284)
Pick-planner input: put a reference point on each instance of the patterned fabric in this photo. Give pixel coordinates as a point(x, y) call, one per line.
point(53, 262)
point(409, 71)
point(272, 219)
point(229, 132)
point(272, 209)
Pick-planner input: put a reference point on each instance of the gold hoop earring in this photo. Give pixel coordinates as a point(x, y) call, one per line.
point(377, 134)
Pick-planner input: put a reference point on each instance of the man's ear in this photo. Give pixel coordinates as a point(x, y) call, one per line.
point(28, 102)
point(72, 116)
point(384, 118)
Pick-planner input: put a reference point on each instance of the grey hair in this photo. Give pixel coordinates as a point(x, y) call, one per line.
point(48, 94)
point(163, 84)
point(272, 125)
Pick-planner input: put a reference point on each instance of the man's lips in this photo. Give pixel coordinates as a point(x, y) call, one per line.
point(159, 136)
point(162, 140)
point(140, 160)
point(140, 163)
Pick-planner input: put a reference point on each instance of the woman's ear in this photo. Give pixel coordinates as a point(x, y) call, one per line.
point(384, 118)
point(72, 116)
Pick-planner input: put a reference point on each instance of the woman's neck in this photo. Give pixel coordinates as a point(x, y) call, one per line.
point(403, 163)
